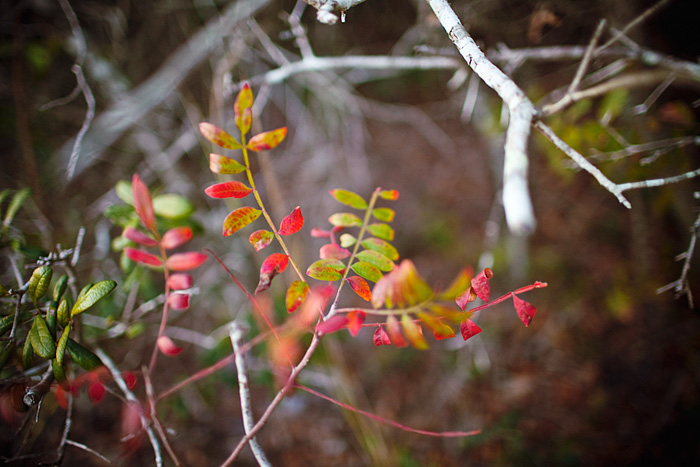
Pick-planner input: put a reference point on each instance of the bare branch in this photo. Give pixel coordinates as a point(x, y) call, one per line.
point(236, 334)
point(681, 286)
point(636, 22)
point(516, 196)
point(586, 58)
point(327, 9)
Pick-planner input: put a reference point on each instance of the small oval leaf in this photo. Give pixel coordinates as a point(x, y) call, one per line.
point(392, 195)
point(413, 333)
point(172, 206)
point(175, 237)
point(39, 282)
point(260, 239)
point(296, 293)
point(367, 270)
point(139, 237)
point(142, 257)
point(345, 219)
point(224, 165)
point(292, 223)
point(143, 204)
point(240, 218)
point(360, 287)
point(63, 312)
point(383, 231)
point(41, 339)
point(376, 259)
point(348, 197)
point(185, 261)
point(218, 136)
point(179, 281)
point(384, 214)
point(230, 189)
point(333, 251)
point(326, 270)
point(82, 356)
point(381, 246)
point(168, 347)
point(267, 140)
point(92, 296)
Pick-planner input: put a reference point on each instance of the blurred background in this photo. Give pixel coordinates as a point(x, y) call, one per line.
point(608, 372)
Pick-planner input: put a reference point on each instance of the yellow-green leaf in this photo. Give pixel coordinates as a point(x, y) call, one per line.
point(240, 218)
point(218, 136)
point(326, 269)
point(376, 259)
point(296, 293)
point(383, 231)
point(345, 219)
point(63, 311)
point(367, 270)
point(92, 296)
point(348, 197)
point(413, 333)
point(384, 214)
point(224, 165)
point(39, 282)
point(382, 246)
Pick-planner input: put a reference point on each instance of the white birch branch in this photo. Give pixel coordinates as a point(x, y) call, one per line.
point(516, 196)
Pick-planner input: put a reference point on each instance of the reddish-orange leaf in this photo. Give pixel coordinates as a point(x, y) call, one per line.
point(394, 330)
point(260, 239)
point(185, 261)
point(296, 293)
point(218, 136)
point(130, 379)
point(139, 237)
point(392, 195)
point(465, 297)
point(480, 284)
point(239, 218)
point(320, 233)
point(273, 265)
point(168, 347)
point(231, 189)
point(355, 320)
point(333, 251)
point(179, 281)
point(381, 337)
point(142, 257)
point(469, 329)
point(143, 204)
point(224, 165)
point(524, 309)
point(175, 237)
point(332, 324)
point(179, 301)
point(360, 287)
point(96, 391)
point(267, 140)
point(292, 223)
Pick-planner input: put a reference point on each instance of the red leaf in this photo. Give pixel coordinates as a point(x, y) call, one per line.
point(333, 251)
point(267, 139)
point(320, 233)
point(355, 320)
point(524, 309)
point(143, 204)
point(240, 218)
point(179, 281)
point(231, 189)
point(332, 324)
point(292, 223)
point(360, 287)
point(469, 329)
point(168, 347)
point(96, 391)
point(130, 379)
point(185, 261)
point(179, 301)
point(260, 239)
point(218, 136)
point(480, 284)
point(393, 328)
point(142, 257)
point(175, 237)
point(139, 237)
point(296, 293)
point(273, 265)
point(381, 337)
point(465, 297)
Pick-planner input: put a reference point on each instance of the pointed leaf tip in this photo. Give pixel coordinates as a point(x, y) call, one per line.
point(218, 136)
point(143, 257)
point(381, 337)
point(524, 309)
point(239, 218)
point(143, 203)
point(360, 287)
point(230, 189)
point(480, 284)
point(469, 329)
point(292, 223)
point(349, 198)
point(273, 265)
point(296, 293)
point(267, 140)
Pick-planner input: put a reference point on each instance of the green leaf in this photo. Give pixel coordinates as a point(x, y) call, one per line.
point(224, 165)
point(347, 240)
point(348, 197)
point(92, 296)
point(367, 270)
point(82, 356)
point(14, 206)
point(123, 190)
point(172, 206)
point(39, 282)
point(326, 269)
point(345, 219)
point(440, 329)
point(240, 218)
point(384, 214)
point(40, 337)
point(63, 311)
point(383, 231)
point(27, 354)
point(376, 259)
point(392, 195)
point(57, 364)
point(413, 333)
point(383, 247)
point(296, 293)
point(60, 287)
point(6, 323)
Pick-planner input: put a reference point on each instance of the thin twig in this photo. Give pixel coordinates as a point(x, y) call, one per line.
point(150, 395)
point(586, 58)
point(236, 335)
point(87, 449)
point(635, 22)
